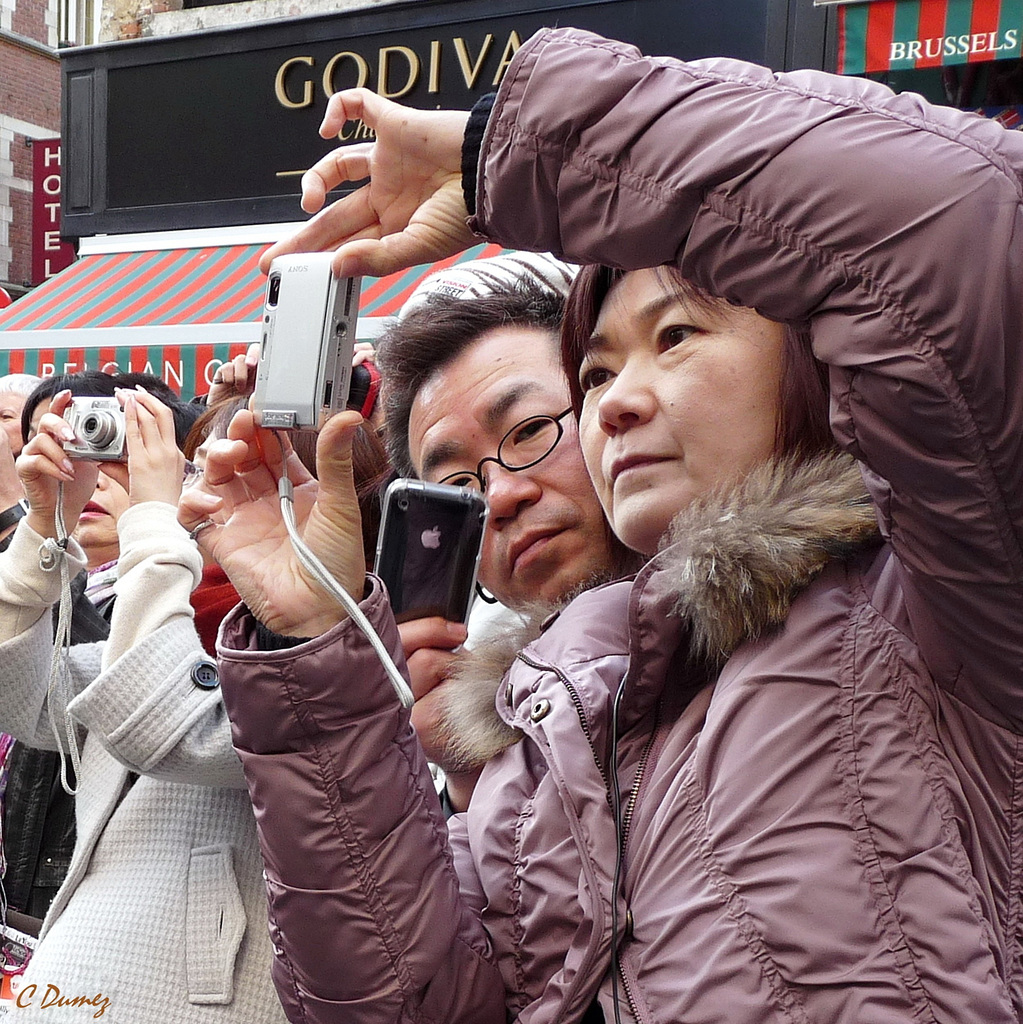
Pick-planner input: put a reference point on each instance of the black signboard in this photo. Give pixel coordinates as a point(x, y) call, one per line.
point(215, 128)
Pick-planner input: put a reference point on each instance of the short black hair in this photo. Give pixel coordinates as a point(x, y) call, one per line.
point(433, 336)
point(99, 384)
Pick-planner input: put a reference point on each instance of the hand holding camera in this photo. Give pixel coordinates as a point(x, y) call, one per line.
point(44, 464)
point(78, 434)
point(250, 540)
point(236, 377)
point(155, 463)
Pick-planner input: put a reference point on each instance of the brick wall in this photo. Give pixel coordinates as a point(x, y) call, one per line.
point(29, 20)
point(29, 109)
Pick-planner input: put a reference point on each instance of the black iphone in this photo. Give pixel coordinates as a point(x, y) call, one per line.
point(428, 548)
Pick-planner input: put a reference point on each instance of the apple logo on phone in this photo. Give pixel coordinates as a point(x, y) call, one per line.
point(431, 538)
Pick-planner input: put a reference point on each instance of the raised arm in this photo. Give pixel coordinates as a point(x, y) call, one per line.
point(30, 584)
point(892, 226)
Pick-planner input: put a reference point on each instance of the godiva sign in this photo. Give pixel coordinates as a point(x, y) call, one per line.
point(215, 128)
point(395, 72)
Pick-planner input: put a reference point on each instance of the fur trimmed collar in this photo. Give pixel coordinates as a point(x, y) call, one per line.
point(737, 561)
point(734, 562)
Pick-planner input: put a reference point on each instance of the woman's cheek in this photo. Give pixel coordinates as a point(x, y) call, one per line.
point(592, 441)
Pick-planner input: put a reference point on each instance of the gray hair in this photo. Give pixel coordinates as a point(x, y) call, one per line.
point(19, 383)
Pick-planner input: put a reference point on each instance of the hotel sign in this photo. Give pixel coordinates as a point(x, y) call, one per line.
point(49, 254)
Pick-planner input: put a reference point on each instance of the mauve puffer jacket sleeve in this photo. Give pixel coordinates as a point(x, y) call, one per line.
point(892, 226)
point(365, 911)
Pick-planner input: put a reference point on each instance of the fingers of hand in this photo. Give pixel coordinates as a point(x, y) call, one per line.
point(334, 455)
point(428, 668)
point(61, 400)
point(335, 439)
point(149, 427)
point(337, 223)
point(53, 425)
point(237, 468)
point(433, 632)
point(434, 231)
point(196, 506)
point(363, 353)
point(223, 459)
point(44, 457)
point(351, 105)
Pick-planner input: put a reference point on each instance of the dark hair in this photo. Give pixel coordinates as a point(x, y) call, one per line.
point(99, 384)
point(212, 419)
point(802, 427)
point(431, 337)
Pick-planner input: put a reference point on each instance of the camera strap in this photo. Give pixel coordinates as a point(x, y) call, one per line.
point(59, 688)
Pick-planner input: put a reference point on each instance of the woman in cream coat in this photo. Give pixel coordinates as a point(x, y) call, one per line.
point(162, 915)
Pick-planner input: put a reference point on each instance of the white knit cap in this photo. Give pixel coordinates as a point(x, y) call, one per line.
point(477, 278)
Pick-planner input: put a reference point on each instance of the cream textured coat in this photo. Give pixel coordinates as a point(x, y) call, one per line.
point(163, 909)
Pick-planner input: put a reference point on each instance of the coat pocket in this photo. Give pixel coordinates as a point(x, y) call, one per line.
point(214, 924)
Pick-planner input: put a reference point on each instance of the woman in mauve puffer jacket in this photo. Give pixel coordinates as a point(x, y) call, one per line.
point(811, 806)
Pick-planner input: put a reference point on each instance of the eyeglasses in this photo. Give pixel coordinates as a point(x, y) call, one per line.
point(530, 441)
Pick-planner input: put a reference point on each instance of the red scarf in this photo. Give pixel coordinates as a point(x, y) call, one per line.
point(212, 600)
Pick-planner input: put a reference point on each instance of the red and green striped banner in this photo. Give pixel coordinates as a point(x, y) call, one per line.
point(897, 35)
point(188, 369)
point(129, 292)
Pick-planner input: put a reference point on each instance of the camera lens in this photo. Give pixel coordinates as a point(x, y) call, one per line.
point(99, 429)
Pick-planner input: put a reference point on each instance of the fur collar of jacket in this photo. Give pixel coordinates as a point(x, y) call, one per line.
point(734, 563)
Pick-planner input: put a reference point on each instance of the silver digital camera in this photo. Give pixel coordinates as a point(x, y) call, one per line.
point(305, 365)
point(98, 424)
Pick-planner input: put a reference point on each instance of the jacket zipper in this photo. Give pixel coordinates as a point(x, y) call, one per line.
point(640, 772)
point(626, 828)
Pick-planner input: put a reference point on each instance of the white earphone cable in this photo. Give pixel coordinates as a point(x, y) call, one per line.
point(322, 576)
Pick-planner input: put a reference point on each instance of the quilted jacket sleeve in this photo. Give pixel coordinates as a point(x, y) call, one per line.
point(366, 915)
point(892, 226)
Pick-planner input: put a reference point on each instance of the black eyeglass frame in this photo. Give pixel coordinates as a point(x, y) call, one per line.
point(478, 474)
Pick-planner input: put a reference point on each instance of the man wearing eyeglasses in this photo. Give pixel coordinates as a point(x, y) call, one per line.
point(475, 395)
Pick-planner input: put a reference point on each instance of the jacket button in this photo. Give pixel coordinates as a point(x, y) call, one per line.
point(205, 674)
point(540, 710)
point(508, 695)
point(630, 924)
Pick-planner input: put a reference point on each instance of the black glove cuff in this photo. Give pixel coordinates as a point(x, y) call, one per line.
point(11, 515)
point(472, 143)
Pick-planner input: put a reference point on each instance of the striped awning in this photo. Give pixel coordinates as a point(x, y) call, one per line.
point(898, 35)
point(177, 313)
